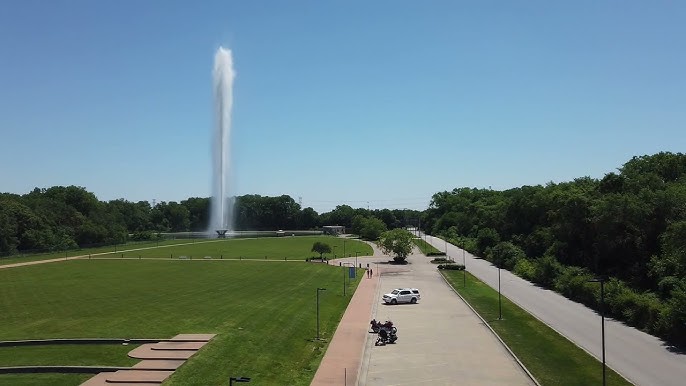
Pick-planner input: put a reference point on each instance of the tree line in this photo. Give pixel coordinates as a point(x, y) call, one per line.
point(628, 227)
point(62, 218)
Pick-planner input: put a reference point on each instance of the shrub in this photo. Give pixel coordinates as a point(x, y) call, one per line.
point(573, 284)
point(454, 267)
point(505, 255)
point(524, 268)
point(486, 238)
point(546, 270)
point(142, 236)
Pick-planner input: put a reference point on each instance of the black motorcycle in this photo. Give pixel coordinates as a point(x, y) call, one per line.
point(387, 335)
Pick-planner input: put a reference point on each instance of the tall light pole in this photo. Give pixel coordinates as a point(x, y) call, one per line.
point(318, 289)
point(344, 273)
point(446, 247)
point(601, 280)
point(500, 305)
point(238, 379)
point(355, 259)
point(464, 270)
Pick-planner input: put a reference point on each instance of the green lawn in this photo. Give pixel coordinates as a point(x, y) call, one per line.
point(80, 252)
point(263, 312)
point(550, 357)
point(273, 248)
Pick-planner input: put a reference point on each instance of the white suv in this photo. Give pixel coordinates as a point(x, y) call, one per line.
point(402, 295)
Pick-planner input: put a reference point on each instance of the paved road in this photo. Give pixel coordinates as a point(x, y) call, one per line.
point(440, 340)
point(639, 357)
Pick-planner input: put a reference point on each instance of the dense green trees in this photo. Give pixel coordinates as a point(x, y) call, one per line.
point(630, 226)
point(60, 218)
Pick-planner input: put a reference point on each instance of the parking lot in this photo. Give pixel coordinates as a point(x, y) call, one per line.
point(440, 340)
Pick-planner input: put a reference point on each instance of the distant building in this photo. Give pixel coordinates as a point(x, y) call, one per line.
point(333, 230)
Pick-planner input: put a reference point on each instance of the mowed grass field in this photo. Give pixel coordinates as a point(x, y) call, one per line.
point(99, 250)
point(273, 248)
point(263, 312)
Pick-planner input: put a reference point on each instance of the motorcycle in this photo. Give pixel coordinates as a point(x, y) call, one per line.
point(386, 336)
point(376, 326)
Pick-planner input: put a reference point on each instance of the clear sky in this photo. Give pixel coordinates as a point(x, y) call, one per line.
point(379, 103)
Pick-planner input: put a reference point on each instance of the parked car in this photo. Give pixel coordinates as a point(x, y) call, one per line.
point(402, 295)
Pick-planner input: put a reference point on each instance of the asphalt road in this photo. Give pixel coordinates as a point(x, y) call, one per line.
point(637, 356)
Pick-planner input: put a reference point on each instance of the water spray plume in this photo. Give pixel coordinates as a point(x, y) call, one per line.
point(221, 212)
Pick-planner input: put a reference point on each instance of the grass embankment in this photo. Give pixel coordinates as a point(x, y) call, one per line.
point(550, 357)
point(426, 248)
point(264, 315)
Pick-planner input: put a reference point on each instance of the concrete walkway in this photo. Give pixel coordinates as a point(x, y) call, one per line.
point(440, 340)
point(343, 358)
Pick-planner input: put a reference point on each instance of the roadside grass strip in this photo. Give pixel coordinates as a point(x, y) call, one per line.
point(264, 315)
point(426, 248)
point(550, 357)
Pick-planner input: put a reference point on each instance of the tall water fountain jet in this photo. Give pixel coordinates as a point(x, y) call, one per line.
point(221, 215)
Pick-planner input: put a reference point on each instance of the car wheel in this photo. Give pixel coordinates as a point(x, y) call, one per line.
point(413, 301)
point(394, 301)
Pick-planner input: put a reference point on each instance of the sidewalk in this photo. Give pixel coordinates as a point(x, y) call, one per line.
point(343, 358)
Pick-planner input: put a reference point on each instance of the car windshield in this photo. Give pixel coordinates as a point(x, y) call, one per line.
point(394, 292)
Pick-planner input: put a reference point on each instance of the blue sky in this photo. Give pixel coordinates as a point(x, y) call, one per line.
point(379, 103)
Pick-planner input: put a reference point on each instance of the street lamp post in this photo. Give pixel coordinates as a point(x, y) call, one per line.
point(464, 269)
point(500, 305)
point(318, 289)
point(238, 379)
point(601, 280)
point(355, 259)
point(344, 268)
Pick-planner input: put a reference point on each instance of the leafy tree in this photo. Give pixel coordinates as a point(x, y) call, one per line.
point(505, 255)
point(372, 228)
point(486, 238)
point(321, 248)
point(357, 223)
point(341, 215)
point(198, 213)
point(308, 219)
point(398, 242)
